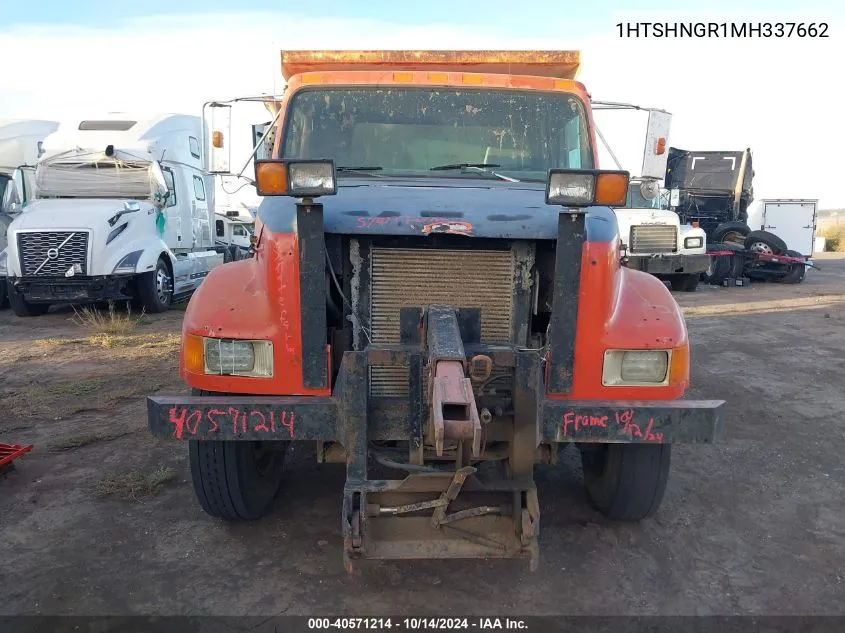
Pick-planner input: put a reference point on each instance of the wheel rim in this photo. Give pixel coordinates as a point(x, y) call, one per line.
point(761, 247)
point(266, 458)
point(163, 286)
point(733, 237)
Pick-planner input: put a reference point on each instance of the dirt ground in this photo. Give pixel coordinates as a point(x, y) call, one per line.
point(100, 519)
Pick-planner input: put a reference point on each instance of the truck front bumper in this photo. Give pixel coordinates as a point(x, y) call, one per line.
point(71, 289)
point(350, 417)
point(670, 264)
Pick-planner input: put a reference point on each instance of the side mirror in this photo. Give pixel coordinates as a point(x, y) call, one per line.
point(219, 146)
point(655, 153)
point(11, 202)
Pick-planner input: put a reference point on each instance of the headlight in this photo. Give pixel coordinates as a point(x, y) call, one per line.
point(585, 187)
point(571, 188)
point(127, 264)
point(4, 261)
point(693, 242)
point(231, 357)
point(298, 178)
point(635, 367)
point(311, 178)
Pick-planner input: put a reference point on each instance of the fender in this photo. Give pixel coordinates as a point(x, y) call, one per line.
point(255, 298)
point(152, 248)
point(620, 308)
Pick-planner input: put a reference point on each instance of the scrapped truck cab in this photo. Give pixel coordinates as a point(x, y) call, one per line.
point(435, 300)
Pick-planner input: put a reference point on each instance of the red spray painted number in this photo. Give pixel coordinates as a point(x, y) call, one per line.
point(190, 422)
point(574, 423)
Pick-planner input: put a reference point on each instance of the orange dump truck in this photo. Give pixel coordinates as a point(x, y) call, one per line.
point(435, 300)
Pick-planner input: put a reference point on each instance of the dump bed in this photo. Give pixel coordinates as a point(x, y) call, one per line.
point(557, 64)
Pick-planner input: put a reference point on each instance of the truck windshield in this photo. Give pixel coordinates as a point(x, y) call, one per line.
point(101, 179)
point(407, 131)
point(636, 200)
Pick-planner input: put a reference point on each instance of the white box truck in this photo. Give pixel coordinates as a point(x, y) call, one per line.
point(122, 210)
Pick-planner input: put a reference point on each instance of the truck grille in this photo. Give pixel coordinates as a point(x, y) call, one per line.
point(654, 238)
point(53, 253)
point(401, 277)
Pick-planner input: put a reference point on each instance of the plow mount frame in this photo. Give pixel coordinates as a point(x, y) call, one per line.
point(351, 419)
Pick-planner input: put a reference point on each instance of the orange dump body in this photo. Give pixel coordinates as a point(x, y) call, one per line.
point(557, 64)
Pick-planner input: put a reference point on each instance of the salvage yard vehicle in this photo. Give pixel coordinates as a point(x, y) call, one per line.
point(20, 146)
point(436, 291)
point(653, 238)
point(121, 210)
point(714, 190)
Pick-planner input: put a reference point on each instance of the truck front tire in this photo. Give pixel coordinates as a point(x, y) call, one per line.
point(685, 283)
point(23, 308)
point(626, 482)
point(236, 480)
point(155, 288)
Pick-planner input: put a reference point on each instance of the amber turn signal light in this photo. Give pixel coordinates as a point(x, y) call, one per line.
point(587, 187)
point(193, 354)
point(612, 188)
point(271, 178)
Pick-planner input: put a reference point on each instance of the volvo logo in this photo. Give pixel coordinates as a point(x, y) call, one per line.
point(53, 253)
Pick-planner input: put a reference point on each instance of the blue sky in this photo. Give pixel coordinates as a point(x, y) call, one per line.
point(80, 58)
point(545, 18)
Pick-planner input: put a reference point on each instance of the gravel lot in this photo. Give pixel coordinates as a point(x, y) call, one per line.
point(100, 518)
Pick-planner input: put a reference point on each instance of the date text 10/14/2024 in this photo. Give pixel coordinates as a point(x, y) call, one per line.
point(417, 624)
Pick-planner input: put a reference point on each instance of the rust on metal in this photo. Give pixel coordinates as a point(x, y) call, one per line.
point(557, 64)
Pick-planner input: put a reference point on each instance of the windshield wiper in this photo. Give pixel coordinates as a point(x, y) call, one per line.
point(362, 168)
point(451, 166)
point(484, 168)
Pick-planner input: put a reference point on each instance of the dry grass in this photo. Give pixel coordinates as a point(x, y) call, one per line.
point(135, 485)
point(78, 441)
point(108, 323)
point(834, 239)
point(60, 398)
point(110, 341)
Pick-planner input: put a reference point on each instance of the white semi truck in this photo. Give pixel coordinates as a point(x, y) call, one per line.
point(122, 210)
point(20, 146)
point(653, 238)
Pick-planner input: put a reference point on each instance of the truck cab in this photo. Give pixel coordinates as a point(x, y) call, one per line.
point(655, 241)
point(20, 146)
point(121, 210)
point(233, 229)
point(436, 302)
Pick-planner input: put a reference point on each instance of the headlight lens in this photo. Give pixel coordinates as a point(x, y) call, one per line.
point(315, 178)
point(635, 367)
point(571, 188)
point(127, 264)
point(231, 357)
point(693, 242)
point(4, 268)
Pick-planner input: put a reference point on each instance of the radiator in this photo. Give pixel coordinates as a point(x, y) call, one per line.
point(53, 253)
point(654, 238)
point(401, 277)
